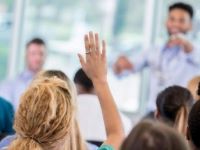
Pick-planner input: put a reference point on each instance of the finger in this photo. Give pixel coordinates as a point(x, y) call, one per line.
point(97, 43)
point(82, 61)
point(92, 41)
point(87, 45)
point(103, 49)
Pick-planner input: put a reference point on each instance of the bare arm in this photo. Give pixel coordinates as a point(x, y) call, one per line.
point(95, 67)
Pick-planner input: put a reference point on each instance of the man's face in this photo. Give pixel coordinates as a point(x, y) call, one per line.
point(178, 21)
point(35, 57)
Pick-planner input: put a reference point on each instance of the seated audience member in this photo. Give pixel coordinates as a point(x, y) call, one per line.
point(59, 74)
point(173, 106)
point(88, 103)
point(6, 118)
point(193, 87)
point(35, 57)
point(46, 114)
point(151, 135)
point(193, 130)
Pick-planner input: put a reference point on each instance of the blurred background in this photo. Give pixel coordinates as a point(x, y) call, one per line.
point(128, 26)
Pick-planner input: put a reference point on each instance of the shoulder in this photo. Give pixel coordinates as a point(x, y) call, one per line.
point(4, 102)
point(106, 147)
point(6, 107)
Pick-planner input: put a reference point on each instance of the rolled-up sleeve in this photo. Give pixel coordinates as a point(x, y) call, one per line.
point(141, 61)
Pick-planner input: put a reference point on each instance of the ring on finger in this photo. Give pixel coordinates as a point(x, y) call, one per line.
point(88, 52)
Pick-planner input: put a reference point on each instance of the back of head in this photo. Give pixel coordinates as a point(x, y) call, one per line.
point(149, 135)
point(173, 106)
point(56, 73)
point(76, 141)
point(82, 80)
point(193, 87)
point(194, 124)
point(45, 115)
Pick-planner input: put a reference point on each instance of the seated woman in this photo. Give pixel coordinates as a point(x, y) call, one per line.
point(46, 113)
point(173, 106)
point(59, 74)
point(151, 135)
point(6, 118)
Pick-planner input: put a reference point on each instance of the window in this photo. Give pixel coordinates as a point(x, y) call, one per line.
point(6, 13)
point(63, 23)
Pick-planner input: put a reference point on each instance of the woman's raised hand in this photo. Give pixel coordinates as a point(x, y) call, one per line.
point(95, 63)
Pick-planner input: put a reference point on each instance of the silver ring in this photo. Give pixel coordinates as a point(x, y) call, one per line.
point(87, 52)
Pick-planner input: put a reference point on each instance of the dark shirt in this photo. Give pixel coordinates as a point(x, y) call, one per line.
point(6, 118)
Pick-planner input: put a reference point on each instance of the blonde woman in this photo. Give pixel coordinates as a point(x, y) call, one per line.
point(45, 117)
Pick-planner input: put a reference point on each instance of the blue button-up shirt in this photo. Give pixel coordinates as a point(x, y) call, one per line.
point(168, 66)
point(12, 90)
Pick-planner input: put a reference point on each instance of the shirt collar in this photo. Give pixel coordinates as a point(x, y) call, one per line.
point(27, 75)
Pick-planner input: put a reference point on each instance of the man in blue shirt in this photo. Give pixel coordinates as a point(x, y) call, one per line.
point(6, 118)
point(176, 62)
point(35, 58)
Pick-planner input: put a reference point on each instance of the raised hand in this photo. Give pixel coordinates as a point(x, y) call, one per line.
point(95, 67)
point(95, 64)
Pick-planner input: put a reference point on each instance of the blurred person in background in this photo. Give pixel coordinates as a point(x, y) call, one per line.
point(35, 58)
point(89, 111)
point(6, 118)
point(174, 63)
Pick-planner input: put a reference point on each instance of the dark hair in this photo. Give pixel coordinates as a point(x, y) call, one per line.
point(38, 41)
point(82, 79)
point(186, 7)
point(198, 91)
point(174, 104)
point(151, 135)
point(194, 123)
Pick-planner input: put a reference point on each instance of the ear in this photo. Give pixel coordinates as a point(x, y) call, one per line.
point(188, 134)
point(156, 114)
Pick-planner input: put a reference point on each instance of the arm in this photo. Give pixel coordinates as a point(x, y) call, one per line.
point(191, 50)
point(124, 64)
point(95, 67)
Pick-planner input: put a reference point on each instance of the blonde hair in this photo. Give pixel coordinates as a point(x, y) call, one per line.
point(76, 140)
point(45, 118)
point(193, 87)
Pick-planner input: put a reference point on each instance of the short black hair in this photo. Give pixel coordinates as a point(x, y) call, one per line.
point(82, 79)
point(186, 7)
point(38, 41)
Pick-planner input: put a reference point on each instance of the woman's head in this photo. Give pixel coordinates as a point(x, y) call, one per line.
point(173, 106)
point(45, 115)
point(149, 135)
point(193, 129)
point(193, 87)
